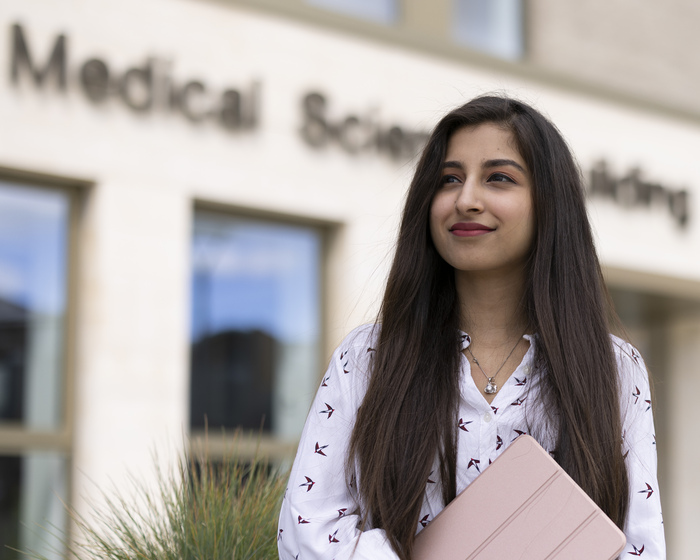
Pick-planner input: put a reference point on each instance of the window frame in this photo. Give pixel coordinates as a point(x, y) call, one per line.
point(16, 439)
point(251, 444)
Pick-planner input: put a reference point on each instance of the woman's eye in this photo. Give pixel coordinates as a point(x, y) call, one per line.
point(450, 179)
point(500, 178)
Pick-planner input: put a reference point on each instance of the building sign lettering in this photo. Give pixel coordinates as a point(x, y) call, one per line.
point(356, 133)
point(150, 86)
point(143, 88)
point(631, 190)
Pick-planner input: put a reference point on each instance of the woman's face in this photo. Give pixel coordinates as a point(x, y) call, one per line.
point(481, 218)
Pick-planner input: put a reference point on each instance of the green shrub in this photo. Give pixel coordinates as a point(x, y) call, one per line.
point(203, 510)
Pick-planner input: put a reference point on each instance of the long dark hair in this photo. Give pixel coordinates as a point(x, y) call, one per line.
point(415, 366)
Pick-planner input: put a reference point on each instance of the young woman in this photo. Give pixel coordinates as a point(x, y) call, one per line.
point(495, 322)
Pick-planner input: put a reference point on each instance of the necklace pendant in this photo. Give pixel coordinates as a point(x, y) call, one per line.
point(491, 387)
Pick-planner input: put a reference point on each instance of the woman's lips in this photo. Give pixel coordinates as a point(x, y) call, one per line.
point(471, 229)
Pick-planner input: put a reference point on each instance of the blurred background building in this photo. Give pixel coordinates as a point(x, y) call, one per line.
point(198, 199)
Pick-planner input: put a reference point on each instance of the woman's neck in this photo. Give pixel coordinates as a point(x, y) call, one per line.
point(491, 307)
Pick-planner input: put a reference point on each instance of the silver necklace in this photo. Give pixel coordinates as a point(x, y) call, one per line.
point(491, 386)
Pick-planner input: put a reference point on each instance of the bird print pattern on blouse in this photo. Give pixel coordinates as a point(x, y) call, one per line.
point(319, 515)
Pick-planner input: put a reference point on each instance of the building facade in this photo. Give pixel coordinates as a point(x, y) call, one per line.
point(198, 199)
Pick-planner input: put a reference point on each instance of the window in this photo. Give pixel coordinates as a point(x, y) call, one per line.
point(34, 244)
point(491, 26)
point(380, 11)
point(255, 324)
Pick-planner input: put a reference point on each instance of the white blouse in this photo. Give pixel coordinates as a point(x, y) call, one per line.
point(317, 520)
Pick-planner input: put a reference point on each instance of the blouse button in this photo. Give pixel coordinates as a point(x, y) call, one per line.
point(487, 417)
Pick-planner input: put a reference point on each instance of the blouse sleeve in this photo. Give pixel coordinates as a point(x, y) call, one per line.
point(319, 515)
point(644, 528)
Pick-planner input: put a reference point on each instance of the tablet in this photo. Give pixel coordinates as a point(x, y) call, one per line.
point(522, 507)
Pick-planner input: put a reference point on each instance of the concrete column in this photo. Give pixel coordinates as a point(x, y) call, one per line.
point(132, 370)
point(683, 417)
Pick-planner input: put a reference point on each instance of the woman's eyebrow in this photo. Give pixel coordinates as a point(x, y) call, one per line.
point(453, 165)
point(487, 164)
point(501, 162)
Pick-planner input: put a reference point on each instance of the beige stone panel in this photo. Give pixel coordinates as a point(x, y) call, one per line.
point(643, 48)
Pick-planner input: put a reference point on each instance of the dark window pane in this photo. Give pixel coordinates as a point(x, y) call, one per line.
point(33, 245)
point(255, 323)
point(232, 379)
point(10, 469)
point(32, 493)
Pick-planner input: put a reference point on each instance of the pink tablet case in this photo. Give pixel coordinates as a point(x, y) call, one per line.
point(522, 507)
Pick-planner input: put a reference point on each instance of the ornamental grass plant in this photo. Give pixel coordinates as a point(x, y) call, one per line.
point(201, 510)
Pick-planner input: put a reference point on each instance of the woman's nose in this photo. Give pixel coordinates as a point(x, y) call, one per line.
point(469, 200)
